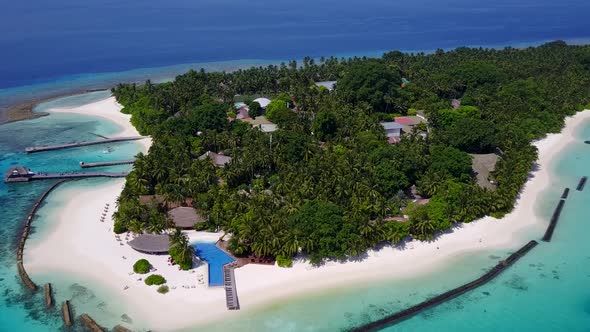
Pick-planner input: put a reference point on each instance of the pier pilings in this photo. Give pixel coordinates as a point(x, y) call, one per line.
point(34, 149)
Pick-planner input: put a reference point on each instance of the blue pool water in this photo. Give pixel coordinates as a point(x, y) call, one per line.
point(216, 259)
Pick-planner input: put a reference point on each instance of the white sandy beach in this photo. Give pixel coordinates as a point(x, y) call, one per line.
point(81, 245)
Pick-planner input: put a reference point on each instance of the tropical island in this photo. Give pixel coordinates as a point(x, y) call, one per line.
point(345, 168)
point(326, 174)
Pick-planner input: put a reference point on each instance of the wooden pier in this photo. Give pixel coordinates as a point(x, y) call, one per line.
point(34, 149)
point(106, 163)
point(231, 292)
point(23, 174)
point(407, 313)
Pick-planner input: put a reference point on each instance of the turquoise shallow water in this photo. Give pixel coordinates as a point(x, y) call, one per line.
point(19, 310)
point(547, 290)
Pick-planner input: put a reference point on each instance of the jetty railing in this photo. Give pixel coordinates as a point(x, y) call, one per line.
point(34, 149)
point(407, 313)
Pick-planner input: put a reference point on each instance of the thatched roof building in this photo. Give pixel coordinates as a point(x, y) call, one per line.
point(151, 243)
point(17, 173)
point(185, 217)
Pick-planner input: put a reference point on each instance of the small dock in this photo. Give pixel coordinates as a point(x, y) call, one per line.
point(231, 293)
point(23, 174)
point(34, 149)
point(106, 163)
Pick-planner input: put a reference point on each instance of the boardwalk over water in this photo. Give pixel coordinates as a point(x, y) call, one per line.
point(106, 163)
point(78, 144)
point(231, 292)
point(65, 176)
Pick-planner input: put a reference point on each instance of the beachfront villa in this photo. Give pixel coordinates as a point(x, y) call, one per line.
point(185, 217)
point(218, 159)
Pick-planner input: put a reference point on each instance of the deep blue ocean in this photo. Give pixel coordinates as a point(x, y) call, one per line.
point(51, 47)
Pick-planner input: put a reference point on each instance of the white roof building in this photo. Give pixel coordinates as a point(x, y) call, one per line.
point(262, 101)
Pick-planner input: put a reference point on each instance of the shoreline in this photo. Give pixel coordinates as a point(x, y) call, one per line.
point(88, 248)
point(22, 110)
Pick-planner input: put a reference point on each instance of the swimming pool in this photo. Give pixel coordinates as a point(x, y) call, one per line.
point(216, 259)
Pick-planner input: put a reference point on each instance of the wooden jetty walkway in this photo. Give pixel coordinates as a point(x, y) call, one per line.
point(407, 313)
point(106, 163)
point(231, 292)
point(23, 174)
point(33, 149)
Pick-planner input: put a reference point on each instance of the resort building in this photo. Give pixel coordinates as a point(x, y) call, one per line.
point(155, 244)
point(263, 123)
point(408, 123)
point(185, 217)
point(18, 174)
point(326, 84)
point(217, 159)
point(393, 131)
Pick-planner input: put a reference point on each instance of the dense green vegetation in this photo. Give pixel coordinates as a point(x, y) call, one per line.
point(180, 250)
point(155, 279)
point(326, 183)
point(163, 289)
point(142, 266)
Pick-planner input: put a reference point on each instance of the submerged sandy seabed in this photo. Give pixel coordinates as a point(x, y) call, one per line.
point(79, 244)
